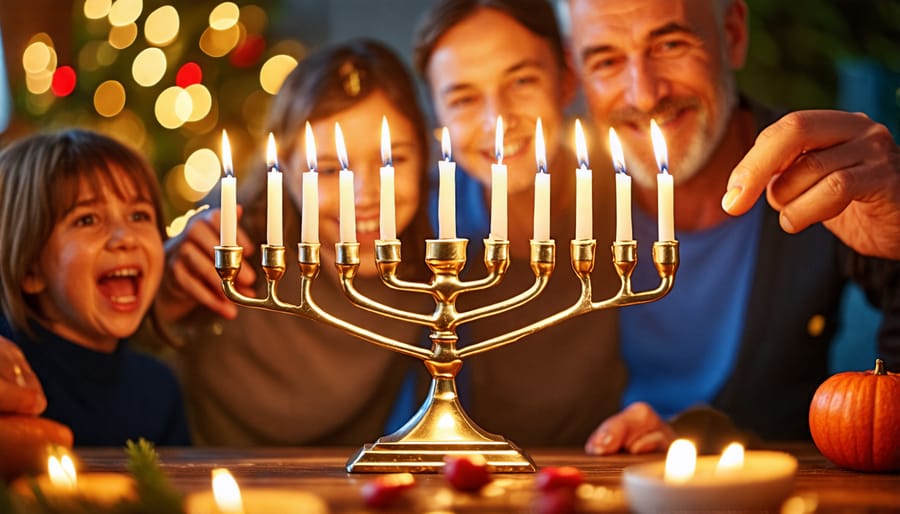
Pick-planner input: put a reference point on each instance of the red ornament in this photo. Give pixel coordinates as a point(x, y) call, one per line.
point(386, 491)
point(561, 477)
point(854, 419)
point(189, 74)
point(467, 473)
point(247, 52)
point(63, 82)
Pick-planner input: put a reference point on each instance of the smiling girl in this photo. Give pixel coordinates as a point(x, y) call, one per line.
point(81, 226)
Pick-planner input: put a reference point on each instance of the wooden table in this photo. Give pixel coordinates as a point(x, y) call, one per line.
point(820, 486)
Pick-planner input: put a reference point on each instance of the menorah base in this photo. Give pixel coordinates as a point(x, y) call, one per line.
point(428, 457)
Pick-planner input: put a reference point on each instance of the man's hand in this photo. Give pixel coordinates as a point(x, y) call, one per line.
point(840, 168)
point(20, 391)
point(637, 429)
point(190, 278)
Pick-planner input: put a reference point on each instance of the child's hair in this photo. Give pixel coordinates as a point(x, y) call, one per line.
point(40, 178)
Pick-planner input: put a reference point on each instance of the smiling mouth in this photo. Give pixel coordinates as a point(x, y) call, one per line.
point(510, 150)
point(121, 286)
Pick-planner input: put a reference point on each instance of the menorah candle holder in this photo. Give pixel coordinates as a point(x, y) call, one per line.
point(441, 427)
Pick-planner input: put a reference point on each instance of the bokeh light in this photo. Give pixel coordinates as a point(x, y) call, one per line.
point(149, 66)
point(189, 73)
point(96, 9)
point(254, 19)
point(202, 169)
point(109, 98)
point(216, 43)
point(173, 107)
point(201, 101)
point(123, 12)
point(224, 16)
point(63, 81)
point(161, 27)
point(38, 83)
point(274, 71)
point(37, 57)
point(106, 54)
point(122, 36)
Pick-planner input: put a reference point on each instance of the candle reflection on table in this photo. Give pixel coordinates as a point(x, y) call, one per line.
point(63, 483)
point(226, 497)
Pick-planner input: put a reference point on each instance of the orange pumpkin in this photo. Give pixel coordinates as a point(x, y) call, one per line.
point(855, 419)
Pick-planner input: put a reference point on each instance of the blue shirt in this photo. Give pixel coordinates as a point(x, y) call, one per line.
point(105, 398)
point(680, 350)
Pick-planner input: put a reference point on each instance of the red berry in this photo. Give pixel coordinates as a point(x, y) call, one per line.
point(556, 501)
point(467, 473)
point(386, 490)
point(562, 477)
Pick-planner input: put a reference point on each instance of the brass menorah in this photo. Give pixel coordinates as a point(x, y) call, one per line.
point(441, 427)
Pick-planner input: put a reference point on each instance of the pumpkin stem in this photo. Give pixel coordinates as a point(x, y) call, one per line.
point(879, 367)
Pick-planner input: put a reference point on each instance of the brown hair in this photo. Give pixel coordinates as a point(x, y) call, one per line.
point(537, 16)
point(333, 79)
point(40, 178)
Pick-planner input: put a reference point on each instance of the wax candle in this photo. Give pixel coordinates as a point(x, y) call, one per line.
point(583, 174)
point(228, 215)
point(664, 185)
point(498, 188)
point(387, 214)
point(227, 497)
point(541, 187)
point(274, 230)
point(63, 484)
point(309, 219)
point(446, 190)
point(623, 189)
point(347, 201)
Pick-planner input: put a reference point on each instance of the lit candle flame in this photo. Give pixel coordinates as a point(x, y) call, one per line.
point(226, 492)
point(271, 153)
point(226, 155)
point(581, 146)
point(615, 148)
point(659, 147)
point(62, 472)
point(341, 147)
point(386, 143)
point(732, 458)
point(540, 150)
point(310, 149)
point(681, 461)
point(445, 144)
point(498, 140)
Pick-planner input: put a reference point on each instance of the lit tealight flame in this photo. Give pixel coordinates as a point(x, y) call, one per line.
point(732, 458)
point(681, 461)
point(341, 147)
point(615, 148)
point(226, 492)
point(659, 147)
point(62, 472)
point(271, 153)
point(311, 161)
point(540, 150)
point(386, 159)
point(498, 140)
point(445, 144)
point(226, 155)
point(581, 146)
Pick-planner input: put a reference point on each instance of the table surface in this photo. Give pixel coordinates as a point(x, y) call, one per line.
point(819, 487)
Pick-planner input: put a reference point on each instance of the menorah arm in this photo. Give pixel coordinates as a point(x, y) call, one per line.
point(540, 282)
point(369, 304)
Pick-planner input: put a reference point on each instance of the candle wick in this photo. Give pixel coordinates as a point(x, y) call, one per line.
point(542, 168)
point(664, 168)
point(389, 162)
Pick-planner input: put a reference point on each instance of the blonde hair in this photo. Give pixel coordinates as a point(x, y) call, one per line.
point(40, 178)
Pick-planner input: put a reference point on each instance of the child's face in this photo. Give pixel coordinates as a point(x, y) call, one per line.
point(99, 271)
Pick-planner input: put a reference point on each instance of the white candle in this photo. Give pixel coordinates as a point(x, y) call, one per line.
point(387, 214)
point(541, 187)
point(228, 218)
point(446, 191)
point(583, 179)
point(274, 230)
point(309, 216)
point(498, 188)
point(623, 189)
point(665, 196)
point(347, 201)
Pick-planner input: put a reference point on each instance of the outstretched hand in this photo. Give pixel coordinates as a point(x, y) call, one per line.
point(637, 429)
point(840, 168)
point(190, 278)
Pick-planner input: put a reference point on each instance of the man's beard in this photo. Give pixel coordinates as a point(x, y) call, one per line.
point(701, 144)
